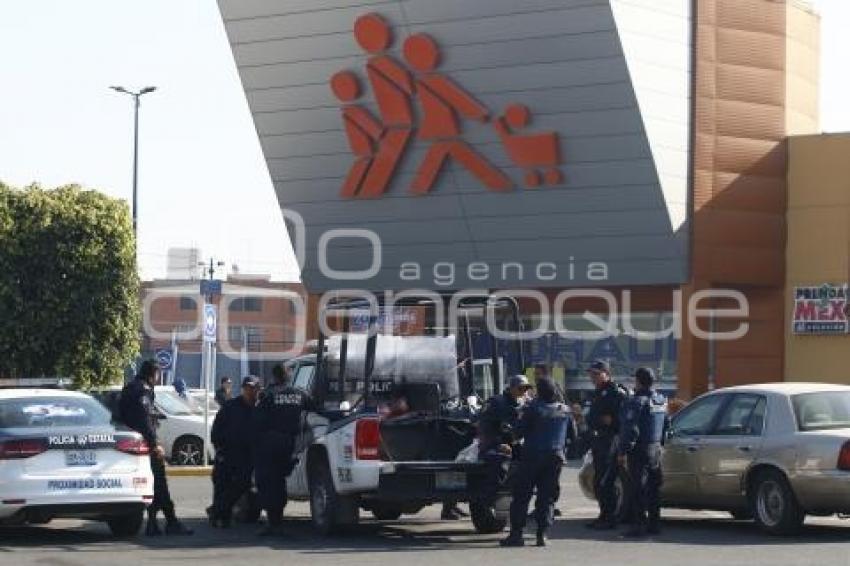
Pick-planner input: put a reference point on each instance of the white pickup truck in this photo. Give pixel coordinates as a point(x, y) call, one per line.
point(394, 414)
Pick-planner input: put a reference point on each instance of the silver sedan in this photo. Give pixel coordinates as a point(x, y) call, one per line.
point(773, 452)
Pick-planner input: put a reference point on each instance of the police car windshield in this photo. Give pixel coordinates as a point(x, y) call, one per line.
point(49, 412)
point(171, 403)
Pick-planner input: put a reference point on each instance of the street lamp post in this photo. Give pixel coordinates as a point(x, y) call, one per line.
point(136, 96)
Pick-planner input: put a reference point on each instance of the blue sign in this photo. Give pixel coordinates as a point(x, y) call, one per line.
point(210, 287)
point(164, 358)
point(210, 323)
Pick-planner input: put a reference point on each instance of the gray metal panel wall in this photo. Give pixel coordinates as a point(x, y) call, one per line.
point(564, 59)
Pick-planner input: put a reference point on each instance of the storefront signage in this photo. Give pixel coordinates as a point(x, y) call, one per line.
point(821, 310)
point(379, 143)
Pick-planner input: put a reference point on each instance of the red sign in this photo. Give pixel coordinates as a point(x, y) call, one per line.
point(378, 143)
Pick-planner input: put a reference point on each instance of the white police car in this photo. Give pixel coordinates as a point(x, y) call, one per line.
point(60, 457)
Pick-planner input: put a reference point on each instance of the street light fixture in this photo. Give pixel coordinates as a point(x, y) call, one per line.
point(136, 96)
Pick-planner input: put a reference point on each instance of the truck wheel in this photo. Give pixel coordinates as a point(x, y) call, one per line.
point(386, 512)
point(128, 525)
point(774, 506)
point(329, 511)
point(484, 519)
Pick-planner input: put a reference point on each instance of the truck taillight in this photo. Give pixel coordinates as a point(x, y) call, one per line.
point(367, 439)
point(19, 449)
point(135, 446)
point(844, 457)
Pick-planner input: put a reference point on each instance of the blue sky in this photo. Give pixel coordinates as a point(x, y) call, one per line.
point(202, 180)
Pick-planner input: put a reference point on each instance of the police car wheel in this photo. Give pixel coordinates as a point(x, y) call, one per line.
point(126, 525)
point(484, 519)
point(774, 505)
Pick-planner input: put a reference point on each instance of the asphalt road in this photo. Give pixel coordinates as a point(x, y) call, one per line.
point(689, 539)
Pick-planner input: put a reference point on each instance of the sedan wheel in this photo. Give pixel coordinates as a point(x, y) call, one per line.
point(188, 452)
point(774, 506)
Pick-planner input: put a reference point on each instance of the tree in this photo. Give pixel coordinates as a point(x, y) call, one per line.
point(69, 290)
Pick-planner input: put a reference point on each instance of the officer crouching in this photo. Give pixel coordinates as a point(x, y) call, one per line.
point(643, 425)
point(543, 426)
point(231, 435)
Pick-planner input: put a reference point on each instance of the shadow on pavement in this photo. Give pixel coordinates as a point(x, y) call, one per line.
point(405, 535)
point(704, 532)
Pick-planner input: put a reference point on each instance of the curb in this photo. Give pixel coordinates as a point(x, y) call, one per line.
point(188, 471)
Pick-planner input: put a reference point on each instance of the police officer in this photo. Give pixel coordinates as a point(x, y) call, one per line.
point(603, 421)
point(232, 431)
point(278, 423)
point(643, 425)
point(543, 426)
point(496, 433)
point(136, 408)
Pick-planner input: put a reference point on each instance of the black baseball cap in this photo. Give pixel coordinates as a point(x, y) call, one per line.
point(600, 366)
point(519, 381)
point(250, 381)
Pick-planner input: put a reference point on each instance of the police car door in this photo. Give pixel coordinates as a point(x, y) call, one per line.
point(296, 484)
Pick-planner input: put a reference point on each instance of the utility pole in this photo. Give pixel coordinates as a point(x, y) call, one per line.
point(136, 96)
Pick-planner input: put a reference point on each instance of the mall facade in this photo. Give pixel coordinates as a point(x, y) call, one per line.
point(635, 146)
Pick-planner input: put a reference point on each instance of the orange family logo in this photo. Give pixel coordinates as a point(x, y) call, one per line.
point(379, 144)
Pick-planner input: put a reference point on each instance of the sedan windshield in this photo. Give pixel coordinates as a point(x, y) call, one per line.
point(172, 404)
point(822, 411)
point(47, 412)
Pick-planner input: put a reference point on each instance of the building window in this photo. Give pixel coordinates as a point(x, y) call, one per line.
point(188, 304)
point(239, 335)
point(246, 304)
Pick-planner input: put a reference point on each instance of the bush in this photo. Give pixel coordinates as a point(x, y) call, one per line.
point(69, 289)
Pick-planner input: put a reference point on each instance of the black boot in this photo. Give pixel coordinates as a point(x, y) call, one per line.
point(152, 528)
point(175, 527)
point(514, 539)
point(541, 538)
point(636, 531)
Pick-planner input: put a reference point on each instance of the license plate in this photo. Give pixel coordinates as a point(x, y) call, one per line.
point(80, 458)
point(450, 480)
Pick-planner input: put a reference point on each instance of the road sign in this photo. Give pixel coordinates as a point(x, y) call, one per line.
point(210, 323)
point(164, 358)
point(210, 287)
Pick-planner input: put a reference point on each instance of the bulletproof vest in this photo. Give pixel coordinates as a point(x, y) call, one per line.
point(285, 405)
point(653, 416)
point(549, 431)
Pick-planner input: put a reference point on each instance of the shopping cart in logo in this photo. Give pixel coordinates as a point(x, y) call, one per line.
point(532, 152)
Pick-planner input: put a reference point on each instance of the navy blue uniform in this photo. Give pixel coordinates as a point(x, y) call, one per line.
point(278, 423)
point(232, 436)
point(603, 421)
point(136, 408)
point(496, 426)
point(643, 424)
point(544, 429)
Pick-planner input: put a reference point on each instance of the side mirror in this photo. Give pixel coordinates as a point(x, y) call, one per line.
point(160, 416)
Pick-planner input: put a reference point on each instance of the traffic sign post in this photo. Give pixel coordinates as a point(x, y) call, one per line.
point(210, 323)
point(164, 359)
point(210, 332)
